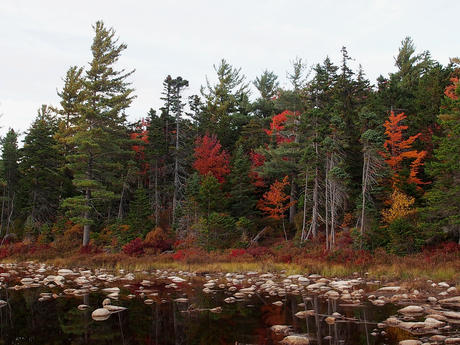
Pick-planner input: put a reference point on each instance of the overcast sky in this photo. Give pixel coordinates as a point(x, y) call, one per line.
point(39, 40)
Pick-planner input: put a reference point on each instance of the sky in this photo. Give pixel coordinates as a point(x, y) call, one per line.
point(40, 40)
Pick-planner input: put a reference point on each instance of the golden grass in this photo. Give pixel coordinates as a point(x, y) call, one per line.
point(406, 269)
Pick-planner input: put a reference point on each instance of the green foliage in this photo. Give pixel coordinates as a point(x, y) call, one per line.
point(404, 237)
point(216, 231)
point(139, 216)
point(210, 196)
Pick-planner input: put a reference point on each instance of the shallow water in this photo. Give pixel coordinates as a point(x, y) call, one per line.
point(25, 320)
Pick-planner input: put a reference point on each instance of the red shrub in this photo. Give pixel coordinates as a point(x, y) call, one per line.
point(259, 252)
point(134, 248)
point(234, 253)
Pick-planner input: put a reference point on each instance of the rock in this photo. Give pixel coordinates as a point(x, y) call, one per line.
point(106, 301)
point(281, 329)
point(301, 314)
point(452, 289)
point(443, 285)
point(100, 314)
point(27, 281)
point(451, 302)
point(148, 301)
point(452, 314)
point(452, 341)
point(433, 323)
point(181, 300)
point(83, 307)
point(65, 272)
point(114, 308)
point(216, 310)
point(230, 300)
point(438, 338)
point(390, 289)
point(411, 309)
point(432, 299)
point(410, 342)
point(330, 320)
point(112, 290)
point(295, 340)
point(278, 303)
point(3, 303)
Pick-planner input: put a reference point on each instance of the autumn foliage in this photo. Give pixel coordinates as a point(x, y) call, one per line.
point(401, 206)
point(211, 158)
point(275, 202)
point(278, 124)
point(398, 149)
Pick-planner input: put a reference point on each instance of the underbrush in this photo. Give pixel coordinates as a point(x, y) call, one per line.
point(440, 263)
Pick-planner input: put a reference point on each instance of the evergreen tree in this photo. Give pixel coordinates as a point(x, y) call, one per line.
point(442, 214)
point(242, 191)
point(100, 138)
point(40, 169)
point(10, 165)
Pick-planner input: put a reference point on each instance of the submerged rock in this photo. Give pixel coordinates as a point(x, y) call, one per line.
point(281, 329)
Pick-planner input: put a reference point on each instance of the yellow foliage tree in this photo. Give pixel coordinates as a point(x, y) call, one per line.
point(401, 206)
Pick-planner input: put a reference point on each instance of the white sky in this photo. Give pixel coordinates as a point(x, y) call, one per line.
point(40, 40)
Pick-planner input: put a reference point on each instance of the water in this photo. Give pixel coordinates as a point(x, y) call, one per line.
point(25, 320)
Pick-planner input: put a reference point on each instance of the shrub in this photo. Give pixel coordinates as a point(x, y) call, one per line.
point(260, 252)
point(134, 248)
point(158, 239)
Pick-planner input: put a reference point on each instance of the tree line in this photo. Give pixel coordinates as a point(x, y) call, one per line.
point(331, 157)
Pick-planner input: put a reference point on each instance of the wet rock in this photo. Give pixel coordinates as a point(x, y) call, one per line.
point(65, 272)
point(181, 300)
point(83, 307)
point(452, 289)
point(410, 342)
point(452, 314)
point(230, 300)
point(3, 303)
point(114, 308)
point(148, 301)
point(216, 310)
point(281, 329)
point(438, 338)
point(411, 309)
point(390, 289)
point(452, 341)
point(432, 299)
point(301, 314)
point(450, 302)
point(295, 340)
point(100, 314)
point(111, 290)
point(106, 301)
point(27, 281)
point(278, 303)
point(330, 320)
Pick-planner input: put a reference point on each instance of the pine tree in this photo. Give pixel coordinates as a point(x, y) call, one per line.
point(11, 176)
point(442, 214)
point(242, 191)
point(100, 137)
point(40, 169)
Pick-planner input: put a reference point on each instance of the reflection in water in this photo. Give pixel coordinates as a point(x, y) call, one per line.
point(167, 322)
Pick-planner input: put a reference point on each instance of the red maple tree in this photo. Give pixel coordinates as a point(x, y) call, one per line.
point(277, 126)
point(143, 135)
point(397, 149)
point(211, 158)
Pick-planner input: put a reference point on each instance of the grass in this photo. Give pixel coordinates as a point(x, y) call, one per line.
point(382, 266)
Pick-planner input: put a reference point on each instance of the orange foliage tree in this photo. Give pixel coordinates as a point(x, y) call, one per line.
point(274, 202)
point(211, 158)
point(397, 149)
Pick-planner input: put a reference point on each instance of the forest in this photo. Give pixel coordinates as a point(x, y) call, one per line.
point(331, 164)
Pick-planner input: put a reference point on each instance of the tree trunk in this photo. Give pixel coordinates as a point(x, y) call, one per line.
point(326, 204)
point(304, 221)
point(176, 172)
point(314, 219)
point(292, 201)
point(86, 226)
point(120, 206)
point(156, 193)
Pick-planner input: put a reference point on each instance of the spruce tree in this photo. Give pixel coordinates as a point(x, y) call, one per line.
point(100, 136)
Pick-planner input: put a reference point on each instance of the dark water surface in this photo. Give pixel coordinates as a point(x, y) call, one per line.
point(25, 320)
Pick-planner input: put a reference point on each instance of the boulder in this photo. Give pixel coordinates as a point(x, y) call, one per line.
point(410, 342)
point(411, 309)
point(100, 314)
point(295, 340)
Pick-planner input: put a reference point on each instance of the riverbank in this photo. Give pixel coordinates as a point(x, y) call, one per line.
point(438, 264)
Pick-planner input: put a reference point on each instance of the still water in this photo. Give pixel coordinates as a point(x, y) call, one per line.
point(26, 320)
